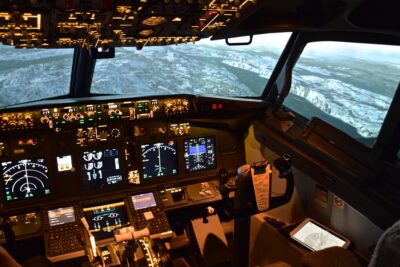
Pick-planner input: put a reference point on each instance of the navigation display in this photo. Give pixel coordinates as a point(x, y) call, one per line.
point(101, 168)
point(143, 201)
point(104, 219)
point(199, 154)
point(61, 216)
point(25, 179)
point(159, 160)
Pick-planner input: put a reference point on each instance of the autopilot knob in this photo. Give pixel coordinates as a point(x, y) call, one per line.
point(90, 114)
point(44, 119)
point(22, 123)
point(5, 120)
point(28, 118)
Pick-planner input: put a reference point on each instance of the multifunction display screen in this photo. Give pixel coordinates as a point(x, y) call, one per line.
point(101, 168)
point(143, 201)
point(159, 160)
point(104, 219)
point(25, 179)
point(61, 216)
point(199, 154)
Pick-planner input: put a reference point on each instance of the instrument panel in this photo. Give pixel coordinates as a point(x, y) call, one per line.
point(103, 149)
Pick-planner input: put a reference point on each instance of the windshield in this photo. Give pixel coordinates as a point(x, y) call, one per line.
point(349, 85)
point(33, 74)
point(204, 68)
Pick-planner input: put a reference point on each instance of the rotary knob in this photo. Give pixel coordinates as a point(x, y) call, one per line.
point(28, 118)
point(22, 123)
point(44, 119)
point(115, 133)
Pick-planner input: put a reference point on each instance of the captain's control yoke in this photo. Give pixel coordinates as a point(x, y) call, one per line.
point(253, 195)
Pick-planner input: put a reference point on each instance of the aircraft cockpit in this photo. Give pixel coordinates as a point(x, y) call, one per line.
point(199, 133)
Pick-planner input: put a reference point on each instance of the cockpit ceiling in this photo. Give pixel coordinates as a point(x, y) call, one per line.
point(102, 23)
point(99, 23)
point(373, 16)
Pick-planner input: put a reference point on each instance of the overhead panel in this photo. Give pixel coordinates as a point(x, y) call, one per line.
point(99, 23)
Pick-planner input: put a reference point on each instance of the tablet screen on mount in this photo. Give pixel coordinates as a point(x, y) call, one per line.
point(316, 237)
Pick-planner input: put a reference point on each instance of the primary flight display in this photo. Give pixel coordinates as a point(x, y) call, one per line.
point(199, 154)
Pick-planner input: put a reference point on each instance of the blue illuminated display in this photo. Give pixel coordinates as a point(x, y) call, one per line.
point(199, 154)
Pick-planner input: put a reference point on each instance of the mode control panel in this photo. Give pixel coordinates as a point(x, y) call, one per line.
point(95, 113)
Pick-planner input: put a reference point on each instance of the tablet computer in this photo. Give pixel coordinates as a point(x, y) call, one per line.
point(315, 236)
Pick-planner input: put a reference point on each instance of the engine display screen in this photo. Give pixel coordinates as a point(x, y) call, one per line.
point(143, 201)
point(61, 216)
point(104, 219)
point(101, 168)
point(25, 179)
point(159, 160)
point(199, 154)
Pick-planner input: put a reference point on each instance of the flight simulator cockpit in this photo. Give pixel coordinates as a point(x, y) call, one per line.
point(197, 133)
point(88, 174)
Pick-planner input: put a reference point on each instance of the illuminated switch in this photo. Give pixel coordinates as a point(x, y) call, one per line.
point(148, 215)
point(208, 192)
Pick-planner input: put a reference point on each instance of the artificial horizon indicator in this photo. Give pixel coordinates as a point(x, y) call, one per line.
point(199, 154)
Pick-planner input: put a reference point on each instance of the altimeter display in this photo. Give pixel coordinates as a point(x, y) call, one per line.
point(25, 179)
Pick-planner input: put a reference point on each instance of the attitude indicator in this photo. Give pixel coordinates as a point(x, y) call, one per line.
point(199, 154)
point(25, 179)
point(159, 160)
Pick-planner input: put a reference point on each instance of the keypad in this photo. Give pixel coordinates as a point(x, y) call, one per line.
point(158, 224)
point(63, 239)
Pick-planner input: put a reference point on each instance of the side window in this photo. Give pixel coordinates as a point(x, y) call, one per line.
point(349, 85)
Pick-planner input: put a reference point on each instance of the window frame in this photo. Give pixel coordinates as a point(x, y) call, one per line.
point(280, 83)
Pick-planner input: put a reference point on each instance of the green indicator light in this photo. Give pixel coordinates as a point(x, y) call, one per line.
point(111, 117)
point(90, 119)
point(63, 122)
